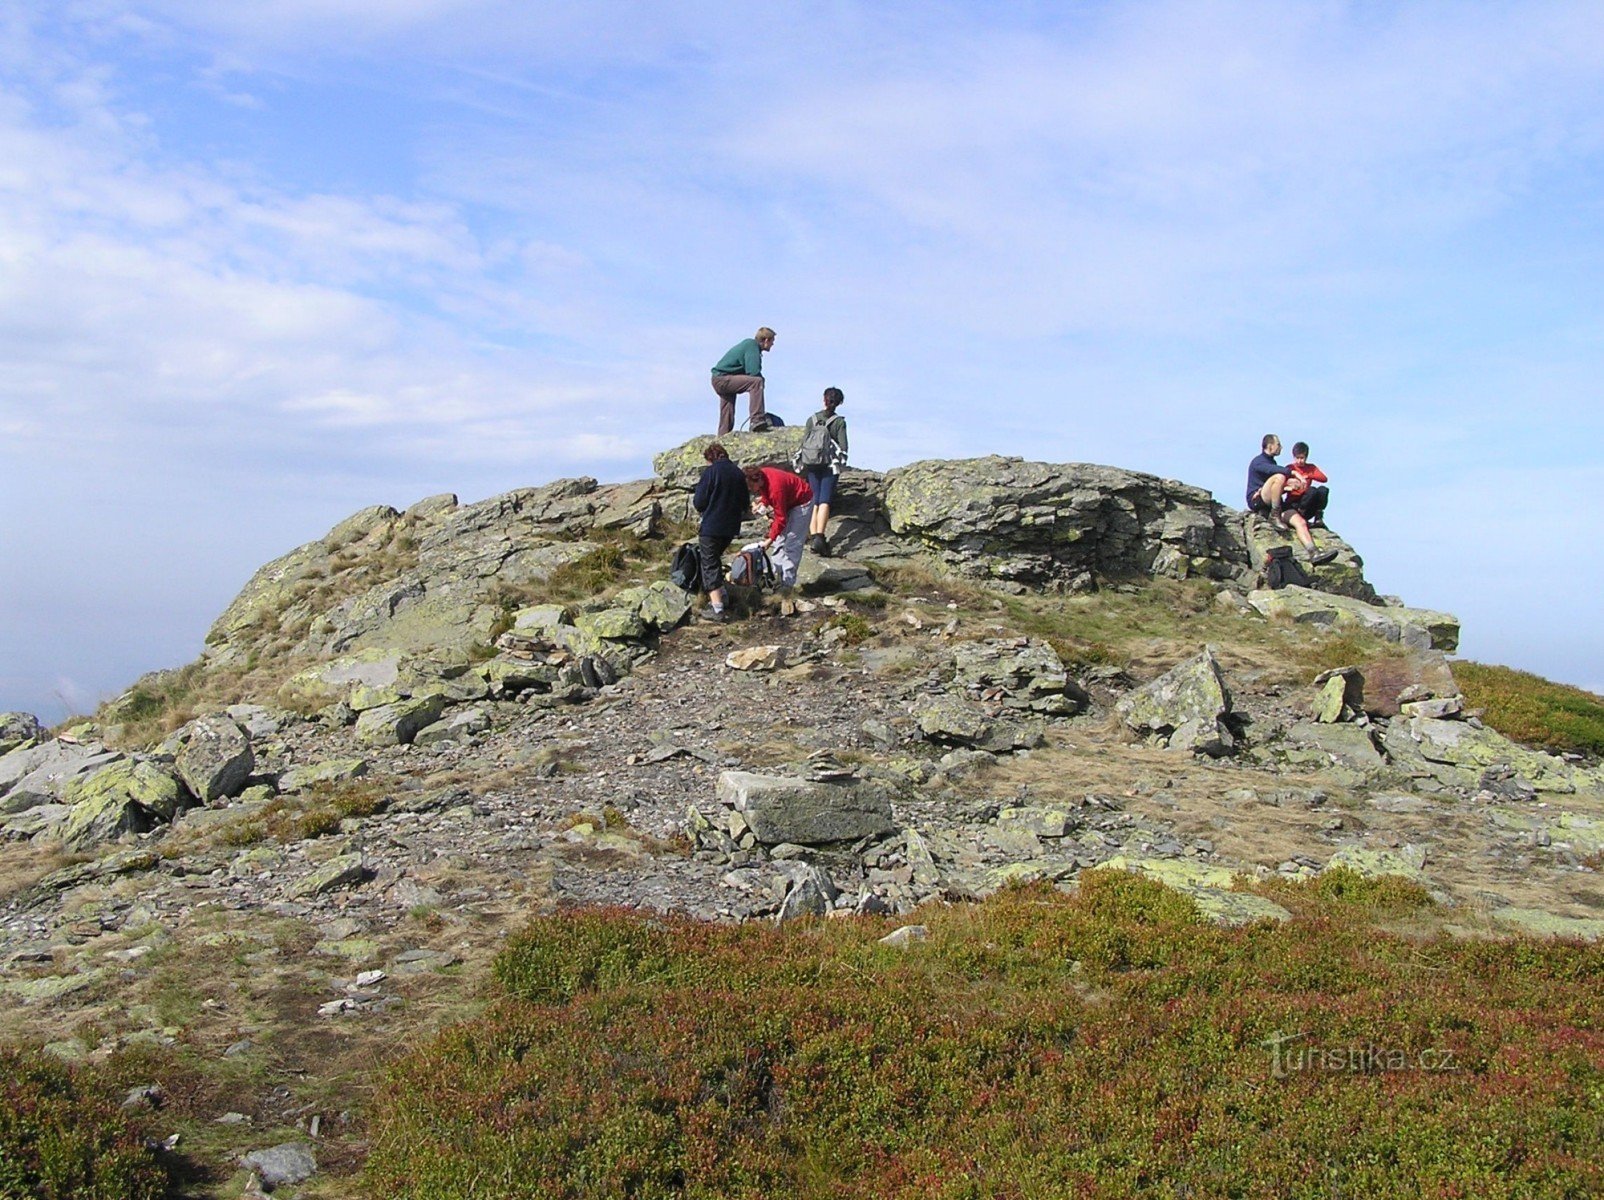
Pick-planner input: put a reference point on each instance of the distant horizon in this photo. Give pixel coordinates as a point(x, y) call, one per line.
point(266, 265)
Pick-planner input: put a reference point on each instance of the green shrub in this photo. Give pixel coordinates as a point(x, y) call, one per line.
point(62, 1137)
point(1105, 1044)
point(1534, 710)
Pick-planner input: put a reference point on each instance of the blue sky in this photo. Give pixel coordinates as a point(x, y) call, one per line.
point(263, 265)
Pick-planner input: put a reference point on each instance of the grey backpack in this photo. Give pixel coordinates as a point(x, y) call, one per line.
point(819, 450)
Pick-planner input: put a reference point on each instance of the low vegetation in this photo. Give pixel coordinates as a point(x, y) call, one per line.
point(63, 1136)
point(1109, 1043)
point(1532, 709)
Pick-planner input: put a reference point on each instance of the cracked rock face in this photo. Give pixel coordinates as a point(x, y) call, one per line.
point(1185, 708)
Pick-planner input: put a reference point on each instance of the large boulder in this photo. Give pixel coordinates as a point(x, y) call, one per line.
point(1343, 575)
point(954, 721)
point(1185, 708)
point(1031, 524)
point(397, 724)
point(783, 808)
point(125, 797)
point(1415, 628)
point(35, 775)
point(214, 758)
point(1019, 673)
point(19, 730)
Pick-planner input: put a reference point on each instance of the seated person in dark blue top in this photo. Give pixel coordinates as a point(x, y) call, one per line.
point(724, 501)
point(1267, 481)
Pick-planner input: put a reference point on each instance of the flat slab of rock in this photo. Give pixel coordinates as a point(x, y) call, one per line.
point(343, 871)
point(36, 774)
point(780, 808)
point(1417, 628)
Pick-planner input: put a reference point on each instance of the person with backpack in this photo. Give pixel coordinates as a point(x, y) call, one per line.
point(741, 370)
point(723, 499)
point(1303, 490)
point(819, 460)
point(1267, 481)
point(789, 498)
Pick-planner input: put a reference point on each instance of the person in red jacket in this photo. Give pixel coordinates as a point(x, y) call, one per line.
point(789, 498)
point(1303, 491)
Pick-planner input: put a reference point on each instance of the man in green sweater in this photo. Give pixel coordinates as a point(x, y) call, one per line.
point(741, 370)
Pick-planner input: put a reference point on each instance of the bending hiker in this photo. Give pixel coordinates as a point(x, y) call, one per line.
point(741, 370)
point(1303, 489)
point(723, 500)
point(1267, 481)
point(790, 500)
point(819, 460)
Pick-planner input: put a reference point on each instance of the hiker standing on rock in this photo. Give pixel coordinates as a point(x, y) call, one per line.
point(790, 499)
point(723, 499)
point(1267, 481)
point(741, 370)
point(819, 460)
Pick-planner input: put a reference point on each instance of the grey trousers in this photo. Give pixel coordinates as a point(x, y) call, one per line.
point(730, 386)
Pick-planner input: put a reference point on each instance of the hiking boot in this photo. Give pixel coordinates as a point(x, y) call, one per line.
point(818, 545)
point(714, 616)
point(1320, 557)
point(1278, 518)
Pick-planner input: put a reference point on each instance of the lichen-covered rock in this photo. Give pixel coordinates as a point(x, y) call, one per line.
point(1020, 673)
point(1064, 524)
point(334, 770)
point(619, 624)
point(340, 871)
point(1185, 707)
point(954, 721)
point(141, 782)
point(1406, 861)
point(214, 758)
point(661, 605)
point(1462, 746)
point(459, 726)
point(397, 724)
point(1342, 576)
point(17, 730)
point(1209, 887)
point(124, 797)
point(679, 469)
point(1416, 628)
point(778, 808)
point(35, 775)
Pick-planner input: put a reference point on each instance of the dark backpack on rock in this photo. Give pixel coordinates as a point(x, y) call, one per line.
point(1281, 569)
point(685, 568)
point(752, 568)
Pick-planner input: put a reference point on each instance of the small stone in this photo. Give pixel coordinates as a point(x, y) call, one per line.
point(906, 936)
point(289, 1163)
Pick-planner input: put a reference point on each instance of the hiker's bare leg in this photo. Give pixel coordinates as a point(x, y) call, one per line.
point(1271, 491)
point(821, 518)
point(717, 597)
point(1299, 527)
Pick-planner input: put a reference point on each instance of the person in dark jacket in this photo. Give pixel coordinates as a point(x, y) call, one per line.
point(723, 500)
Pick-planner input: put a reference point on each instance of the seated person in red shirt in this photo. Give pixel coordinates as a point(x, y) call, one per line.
point(790, 499)
point(1303, 491)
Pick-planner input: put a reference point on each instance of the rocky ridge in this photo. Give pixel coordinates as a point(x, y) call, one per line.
point(446, 739)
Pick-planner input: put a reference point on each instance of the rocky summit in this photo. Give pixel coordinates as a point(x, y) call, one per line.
point(406, 736)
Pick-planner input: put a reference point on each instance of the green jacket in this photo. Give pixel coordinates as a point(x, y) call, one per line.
point(743, 358)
